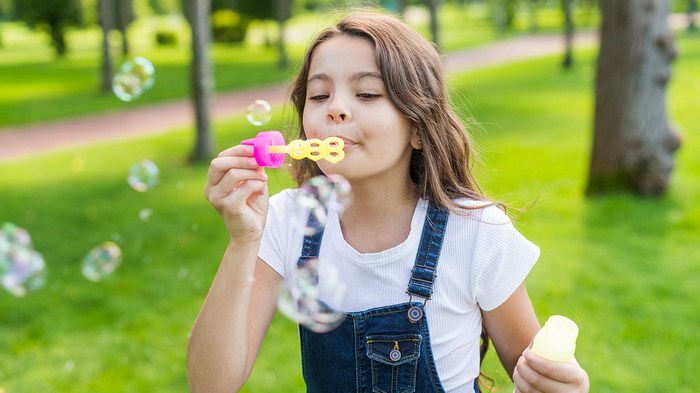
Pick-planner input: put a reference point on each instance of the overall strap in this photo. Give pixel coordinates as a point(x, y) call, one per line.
point(423, 273)
point(311, 246)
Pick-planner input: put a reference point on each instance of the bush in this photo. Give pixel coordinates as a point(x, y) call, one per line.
point(229, 26)
point(166, 38)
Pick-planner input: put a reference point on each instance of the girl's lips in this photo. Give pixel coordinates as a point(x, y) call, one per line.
point(347, 143)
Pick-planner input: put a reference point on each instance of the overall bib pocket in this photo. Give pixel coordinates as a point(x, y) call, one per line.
point(394, 359)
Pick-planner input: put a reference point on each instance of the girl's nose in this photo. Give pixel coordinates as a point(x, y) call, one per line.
point(337, 112)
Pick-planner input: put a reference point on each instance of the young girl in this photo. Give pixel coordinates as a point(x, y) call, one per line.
point(428, 260)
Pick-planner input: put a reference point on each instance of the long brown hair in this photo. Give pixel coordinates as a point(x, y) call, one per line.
point(413, 74)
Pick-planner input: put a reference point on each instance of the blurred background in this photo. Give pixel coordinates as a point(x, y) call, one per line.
point(583, 111)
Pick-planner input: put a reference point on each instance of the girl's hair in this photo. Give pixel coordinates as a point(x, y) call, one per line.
point(413, 75)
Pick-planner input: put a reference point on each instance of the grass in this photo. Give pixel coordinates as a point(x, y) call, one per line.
point(622, 267)
point(33, 78)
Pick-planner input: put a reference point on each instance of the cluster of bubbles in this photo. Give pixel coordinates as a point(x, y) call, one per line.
point(314, 295)
point(22, 269)
point(135, 77)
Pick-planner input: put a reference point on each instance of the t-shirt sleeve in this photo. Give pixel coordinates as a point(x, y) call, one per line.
point(275, 239)
point(502, 259)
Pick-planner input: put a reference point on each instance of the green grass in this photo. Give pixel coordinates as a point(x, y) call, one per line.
point(622, 267)
point(38, 87)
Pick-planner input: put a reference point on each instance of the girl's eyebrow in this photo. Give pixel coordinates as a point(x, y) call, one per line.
point(355, 76)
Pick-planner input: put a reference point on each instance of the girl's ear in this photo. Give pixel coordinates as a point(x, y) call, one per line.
point(416, 142)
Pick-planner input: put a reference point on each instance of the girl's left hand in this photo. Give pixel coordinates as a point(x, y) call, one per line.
point(535, 374)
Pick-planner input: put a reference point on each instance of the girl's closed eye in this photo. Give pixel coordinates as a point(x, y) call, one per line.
point(368, 96)
point(318, 97)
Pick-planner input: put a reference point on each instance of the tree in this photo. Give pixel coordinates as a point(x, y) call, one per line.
point(284, 11)
point(633, 143)
point(198, 14)
point(692, 9)
point(568, 32)
point(124, 15)
point(433, 7)
point(105, 10)
point(53, 16)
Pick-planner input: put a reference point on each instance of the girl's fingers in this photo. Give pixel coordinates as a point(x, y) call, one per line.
point(536, 374)
point(568, 372)
point(220, 166)
point(232, 180)
point(238, 150)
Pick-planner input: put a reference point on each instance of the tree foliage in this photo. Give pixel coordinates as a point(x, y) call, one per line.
point(52, 16)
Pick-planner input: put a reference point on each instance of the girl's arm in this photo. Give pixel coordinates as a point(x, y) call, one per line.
point(512, 326)
point(241, 303)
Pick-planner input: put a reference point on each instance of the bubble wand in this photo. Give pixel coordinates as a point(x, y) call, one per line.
point(270, 148)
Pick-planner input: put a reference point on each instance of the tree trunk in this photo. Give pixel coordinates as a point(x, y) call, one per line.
point(692, 9)
point(105, 8)
point(202, 78)
point(125, 15)
point(434, 27)
point(568, 33)
point(283, 13)
point(633, 143)
point(58, 39)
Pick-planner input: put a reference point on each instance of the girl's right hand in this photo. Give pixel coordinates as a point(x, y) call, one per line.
point(237, 188)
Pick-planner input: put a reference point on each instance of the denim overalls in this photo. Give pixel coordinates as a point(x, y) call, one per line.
point(385, 349)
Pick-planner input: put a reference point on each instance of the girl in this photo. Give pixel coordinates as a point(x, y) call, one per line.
point(428, 259)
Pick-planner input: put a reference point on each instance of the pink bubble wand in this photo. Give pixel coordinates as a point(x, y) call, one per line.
point(270, 148)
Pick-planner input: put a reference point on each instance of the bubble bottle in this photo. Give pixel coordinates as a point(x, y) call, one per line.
point(270, 149)
point(556, 341)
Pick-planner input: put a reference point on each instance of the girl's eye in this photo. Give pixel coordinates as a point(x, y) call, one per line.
point(318, 97)
point(368, 96)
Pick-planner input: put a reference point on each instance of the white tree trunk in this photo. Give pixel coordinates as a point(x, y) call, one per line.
point(633, 143)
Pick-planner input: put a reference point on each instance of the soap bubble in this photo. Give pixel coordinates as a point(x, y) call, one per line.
point(22, 269)
point(316, 198)
point(314, 296)
point(101, 261)
point(259, 113)
point(134, 78)
point(143, 175)
point(145, 214)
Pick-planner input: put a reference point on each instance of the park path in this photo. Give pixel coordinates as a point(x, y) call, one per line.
point(25, 140)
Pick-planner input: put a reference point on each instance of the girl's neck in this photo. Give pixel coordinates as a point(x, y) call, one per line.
point(379, 217)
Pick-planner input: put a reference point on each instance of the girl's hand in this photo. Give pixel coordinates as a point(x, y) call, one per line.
point(237, 188)
point(534, 373)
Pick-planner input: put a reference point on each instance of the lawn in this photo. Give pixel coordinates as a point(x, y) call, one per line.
point(33, 78)
point(622, 267)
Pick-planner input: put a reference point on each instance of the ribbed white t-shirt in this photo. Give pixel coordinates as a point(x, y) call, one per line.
point(483, 260)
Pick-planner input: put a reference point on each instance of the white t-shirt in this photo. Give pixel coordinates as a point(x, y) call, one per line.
point(482, 261)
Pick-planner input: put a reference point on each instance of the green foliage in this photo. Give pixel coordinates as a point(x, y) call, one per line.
point(624, 268)
point(166, 38)
point(229, 26)
point(53, 16)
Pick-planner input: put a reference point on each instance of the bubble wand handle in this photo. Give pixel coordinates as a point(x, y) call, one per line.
point(270, 148)
point(556, 341)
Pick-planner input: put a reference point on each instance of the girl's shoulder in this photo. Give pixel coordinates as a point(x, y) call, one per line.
point(481, 212)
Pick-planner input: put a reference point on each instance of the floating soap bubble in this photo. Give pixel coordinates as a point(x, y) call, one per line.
point(259, 113)
point(101, 261)
point(143, 175)
point(22, 269)
point(134, 78)
point(316, 198)
point(314, 296)
point(145, 214)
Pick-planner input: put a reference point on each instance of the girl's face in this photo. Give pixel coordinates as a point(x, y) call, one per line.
point(346, 97)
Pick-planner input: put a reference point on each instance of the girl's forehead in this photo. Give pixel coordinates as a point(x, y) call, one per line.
point(344, 54)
